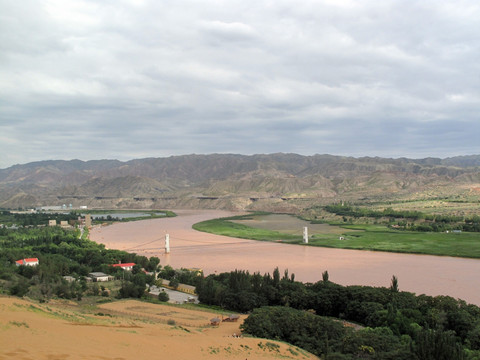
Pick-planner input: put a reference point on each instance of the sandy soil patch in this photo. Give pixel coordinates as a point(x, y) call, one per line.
point(123, 330)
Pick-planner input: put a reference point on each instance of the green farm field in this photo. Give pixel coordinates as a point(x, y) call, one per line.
point(380, 238)
point(288, 229)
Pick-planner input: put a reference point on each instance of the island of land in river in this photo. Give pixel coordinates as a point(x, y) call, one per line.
point(359, 236)
point(421, 274)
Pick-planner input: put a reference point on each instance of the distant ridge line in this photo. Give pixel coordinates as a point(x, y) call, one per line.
point(280, 182)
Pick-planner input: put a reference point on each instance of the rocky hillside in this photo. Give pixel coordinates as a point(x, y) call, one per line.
point(279, 182)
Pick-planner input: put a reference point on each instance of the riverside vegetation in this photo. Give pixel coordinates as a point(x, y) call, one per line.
point(102, 216)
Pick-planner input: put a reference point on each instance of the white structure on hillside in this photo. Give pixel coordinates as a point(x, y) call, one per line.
point(305, 235)
point(167, 244)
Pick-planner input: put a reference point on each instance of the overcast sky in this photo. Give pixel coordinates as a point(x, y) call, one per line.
point(120, 79)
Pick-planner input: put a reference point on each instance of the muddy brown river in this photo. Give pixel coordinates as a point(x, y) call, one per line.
point(421, 274)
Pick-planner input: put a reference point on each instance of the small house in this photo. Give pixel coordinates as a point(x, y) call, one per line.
point(27, 262)
point(232, 318)
point(64, 224)
point(215, 321)
point(100, 276)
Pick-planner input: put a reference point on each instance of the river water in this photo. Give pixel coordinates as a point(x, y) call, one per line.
point(421, 274)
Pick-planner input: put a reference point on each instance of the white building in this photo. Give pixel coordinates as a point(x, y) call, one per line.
point(100, 276)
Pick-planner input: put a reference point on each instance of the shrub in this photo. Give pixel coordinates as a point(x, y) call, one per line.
point(163, 296)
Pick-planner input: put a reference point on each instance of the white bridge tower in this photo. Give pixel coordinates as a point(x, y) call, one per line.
point(167, 244)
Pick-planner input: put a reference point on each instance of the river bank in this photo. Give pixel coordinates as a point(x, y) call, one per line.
point(421, 274)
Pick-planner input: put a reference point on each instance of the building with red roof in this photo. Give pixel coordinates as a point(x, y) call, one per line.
point(27, 262)
point(126, 266)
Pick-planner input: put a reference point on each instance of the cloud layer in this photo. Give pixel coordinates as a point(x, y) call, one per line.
point(132, 78)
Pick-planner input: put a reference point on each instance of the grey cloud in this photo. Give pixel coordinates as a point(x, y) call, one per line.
point(124, 79)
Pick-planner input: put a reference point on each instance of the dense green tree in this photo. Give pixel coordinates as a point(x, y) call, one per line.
point(152, 264)
point(174, 283)
point(438, 345)
point(20, 287)
point(167, 273)
point(163, 296)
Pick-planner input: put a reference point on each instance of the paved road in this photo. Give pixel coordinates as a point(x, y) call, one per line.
point(176, 297)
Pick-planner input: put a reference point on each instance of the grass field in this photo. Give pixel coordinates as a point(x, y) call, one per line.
point(357, 236)
point(380, 238)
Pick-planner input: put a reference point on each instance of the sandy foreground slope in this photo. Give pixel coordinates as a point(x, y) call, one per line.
point(125, 330)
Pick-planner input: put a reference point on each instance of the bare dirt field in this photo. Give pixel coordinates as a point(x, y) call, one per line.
point(421, 274)
point(60, 330)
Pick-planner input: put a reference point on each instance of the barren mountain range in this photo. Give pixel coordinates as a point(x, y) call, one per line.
point(274, 182)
